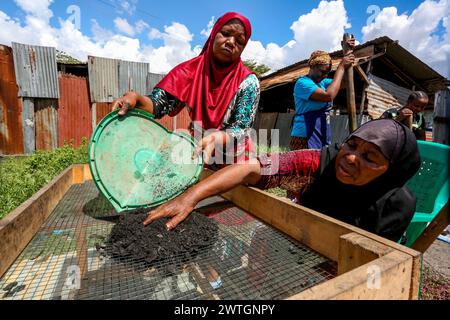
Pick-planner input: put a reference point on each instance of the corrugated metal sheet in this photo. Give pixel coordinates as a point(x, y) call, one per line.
point(267, 121)
point(74, 110)
point(442, 104)
point(28, 123)
point(133, 77)
point(339, 128)
point(283, 124)
point(99, 111)
point(46, 123)
point(383, 95)
point(152, 81)
point(441, 124)
point(11, 132)
point(103, 79)
point(36, 71)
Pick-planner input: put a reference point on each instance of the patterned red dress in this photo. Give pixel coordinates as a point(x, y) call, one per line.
point(293, 171)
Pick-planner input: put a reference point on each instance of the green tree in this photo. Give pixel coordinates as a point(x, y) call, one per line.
point(256, 67)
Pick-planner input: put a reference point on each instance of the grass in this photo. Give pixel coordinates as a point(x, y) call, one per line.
point(21, 177)
point(261, 149)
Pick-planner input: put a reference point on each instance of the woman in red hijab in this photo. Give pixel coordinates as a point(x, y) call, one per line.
point(219, 91)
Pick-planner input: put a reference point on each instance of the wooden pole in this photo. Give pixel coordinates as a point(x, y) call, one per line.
point(351, 105)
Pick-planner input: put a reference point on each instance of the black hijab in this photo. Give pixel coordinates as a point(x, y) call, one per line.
point(385, 206)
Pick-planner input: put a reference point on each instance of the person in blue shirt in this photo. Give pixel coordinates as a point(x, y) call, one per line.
point(313, 96)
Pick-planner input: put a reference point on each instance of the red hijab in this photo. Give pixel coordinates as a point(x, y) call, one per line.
point(205, 86)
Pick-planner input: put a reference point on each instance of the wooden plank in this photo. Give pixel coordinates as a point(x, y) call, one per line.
point(356, 250)
point(350, 87)
point(433, 230)
point(318, 231)
point(327, 230)
point(86, 173)
point(385, 278)
point(362, 74)
point(19, 227)
point(77, 174)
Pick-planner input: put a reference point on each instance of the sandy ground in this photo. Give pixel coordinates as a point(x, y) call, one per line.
point(438, 257)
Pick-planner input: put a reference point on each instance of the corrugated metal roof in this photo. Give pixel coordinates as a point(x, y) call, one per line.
point(74, 110)
point(442, 104)
point(383, 95)
point(431, 80)
point(133, 76)
point(152, 81)
point(103, 79)
point(11, 132)
point(36, 71)
point(46, 123)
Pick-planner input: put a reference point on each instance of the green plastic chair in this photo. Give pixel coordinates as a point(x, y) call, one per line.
point(430, 185)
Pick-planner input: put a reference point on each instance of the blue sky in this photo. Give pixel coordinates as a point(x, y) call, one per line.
point(102, 30)
point(270, 19)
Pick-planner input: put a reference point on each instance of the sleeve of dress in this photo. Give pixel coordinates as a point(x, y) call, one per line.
point(244, 111)
point(163, 102)
point(293, 171)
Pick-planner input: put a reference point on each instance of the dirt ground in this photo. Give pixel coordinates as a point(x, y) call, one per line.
point(436, 272)
point(438, 257)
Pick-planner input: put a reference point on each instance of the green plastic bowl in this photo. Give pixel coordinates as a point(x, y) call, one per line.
point(137, 163)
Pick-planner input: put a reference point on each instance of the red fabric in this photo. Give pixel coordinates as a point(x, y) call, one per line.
point(203, 85)
point(293, 171)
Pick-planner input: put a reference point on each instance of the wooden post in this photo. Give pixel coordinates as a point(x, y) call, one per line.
point(350, 85)
point(434, 229)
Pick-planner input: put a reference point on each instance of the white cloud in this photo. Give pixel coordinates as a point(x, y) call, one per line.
point(417, 32)
point(36, 8)
point(140, 26)
point(176, 37)
point(322, 28)
point(176, 47)
point(123, 26)
point(127, 6)
point(207, 31)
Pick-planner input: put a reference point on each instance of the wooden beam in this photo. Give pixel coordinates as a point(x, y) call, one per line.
point(386, 278)
point(403, 73)
point(19, 227)
point(350, 83)
point(375, 56)
point(318, 231)
point(362, 74)
point(434, 229)
point(356, 250)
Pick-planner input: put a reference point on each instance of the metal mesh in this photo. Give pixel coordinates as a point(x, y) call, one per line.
point(67, 259)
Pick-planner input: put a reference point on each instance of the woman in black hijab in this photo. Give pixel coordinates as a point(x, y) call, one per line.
point(361, 182)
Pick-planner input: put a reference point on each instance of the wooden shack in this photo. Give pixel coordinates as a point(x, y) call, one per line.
point(385, 74)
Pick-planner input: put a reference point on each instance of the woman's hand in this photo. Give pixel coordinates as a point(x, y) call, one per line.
point(406, 117)
point(348, 60)
point(178, 209)
point(219, 182)
point(131, 100)
point(128, 101)
point(208, 144)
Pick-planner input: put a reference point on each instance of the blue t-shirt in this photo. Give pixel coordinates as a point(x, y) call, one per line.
point(311, 118)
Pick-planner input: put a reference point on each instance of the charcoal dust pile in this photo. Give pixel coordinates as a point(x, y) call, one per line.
point(153, 244)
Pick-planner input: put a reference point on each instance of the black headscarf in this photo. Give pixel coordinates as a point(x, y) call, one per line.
point(385, 206)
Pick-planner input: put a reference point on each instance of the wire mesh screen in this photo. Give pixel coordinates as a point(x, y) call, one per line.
point(67, 259)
